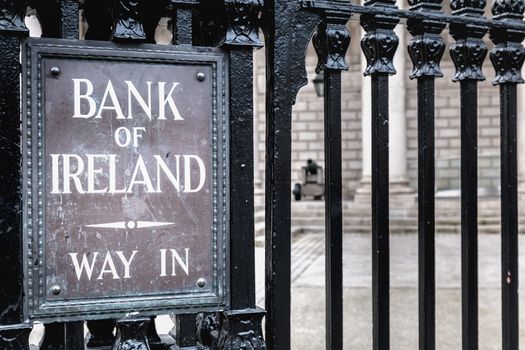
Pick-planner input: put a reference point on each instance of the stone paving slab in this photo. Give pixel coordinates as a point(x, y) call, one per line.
point(308, 319)
point(357, 265)
point(308, 299)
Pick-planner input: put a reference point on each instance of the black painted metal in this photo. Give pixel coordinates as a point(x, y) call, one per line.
point(60, 19)
point(185, 331)
point(63, 336)
point(16, 338)
point(241, 38)
point(357, 11)
point(132, 334)
point(380, 210)
point(331, 42)
point(426, 50)
point(426, 220)
point(289, 26)
point(288, 31)
point(469, 206)
point(509, 217)
point(98, 15)
point(468, 54)
point(333, 211)
point(13, 332)
point(241, 174)
point(100, 333)
point(507, 57)
point(379, 45)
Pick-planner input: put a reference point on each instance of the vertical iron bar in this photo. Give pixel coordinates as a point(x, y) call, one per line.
point(242, 245)
point(100, 333)
point(185, 331)
point(333, 210)
point(63, 336)
point(426, 50)
point(182, 30)
point(242, 323)
point(11, 244)
point(278, 235)
point(278, 214)
point(69, 19)
point(426, 219)
point(509, 216)
point(380, 211)
point(331, 42)
point(183, 35)
point(507, 57)
point(469, 213)
point(285, 75)
point(14, 334)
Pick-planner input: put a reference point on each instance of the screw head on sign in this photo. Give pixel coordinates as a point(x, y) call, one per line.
point(55, 71)
point(201, 282)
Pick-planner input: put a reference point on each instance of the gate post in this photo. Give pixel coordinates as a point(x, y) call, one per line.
point(14, 334)
point(241, 326)
point(288, 30)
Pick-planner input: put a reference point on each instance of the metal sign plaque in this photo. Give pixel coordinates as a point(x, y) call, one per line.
point(125, 174)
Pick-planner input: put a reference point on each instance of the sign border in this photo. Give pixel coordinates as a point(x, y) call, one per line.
point(36, 306)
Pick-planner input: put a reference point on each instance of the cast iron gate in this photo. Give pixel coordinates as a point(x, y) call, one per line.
point(289, 26)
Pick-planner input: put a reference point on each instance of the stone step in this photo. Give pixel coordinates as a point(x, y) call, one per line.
point(454, 229)
point(394, 228)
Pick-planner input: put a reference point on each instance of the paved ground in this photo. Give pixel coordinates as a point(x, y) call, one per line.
point(308, 292)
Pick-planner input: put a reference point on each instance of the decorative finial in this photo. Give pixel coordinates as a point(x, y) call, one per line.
point(508, 54)
point(243, 22)
point(331, 42)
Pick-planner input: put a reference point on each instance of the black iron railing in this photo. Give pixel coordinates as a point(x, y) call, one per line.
point(425, 22)
point(289, 26)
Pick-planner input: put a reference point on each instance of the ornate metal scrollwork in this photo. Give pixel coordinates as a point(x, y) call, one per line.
point(508, 55)
point(507, 59)
point(380, 41)
point(331, 42)
point(15, 339)
point(469, 50)
point(468, 6)
point(129, 24)
point(241, 330)
point(243, 22)
point(468, 55)
point(426, 47)
point(208, 329)
point(426, 51)
point(132, 334)
point(12, 13)
point(379, 46)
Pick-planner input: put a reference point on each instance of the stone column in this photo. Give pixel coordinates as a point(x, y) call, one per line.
point(365, 188)
point(399, 186)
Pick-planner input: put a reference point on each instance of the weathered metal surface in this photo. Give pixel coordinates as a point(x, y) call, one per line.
point(126, 190)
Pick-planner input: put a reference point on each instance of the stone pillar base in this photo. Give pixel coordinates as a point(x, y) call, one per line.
point(521, 191)
point(363, 194)
point(258, 189)
point(401, 194)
